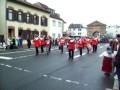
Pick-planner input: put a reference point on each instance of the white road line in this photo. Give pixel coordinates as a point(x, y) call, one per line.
point(101, 55)
point(101, 46)
point(79, 55)
point(69, 81)
point(56, 78)
point(16, 52)
point(8, 66)
point(24, 56)
point(108, 89)
point(85, 84)
point(44, 75)
point(6, 58)
point(25, 50)
point(76, 56)
point(75, 82)
point(26, 70)
point(2, 64)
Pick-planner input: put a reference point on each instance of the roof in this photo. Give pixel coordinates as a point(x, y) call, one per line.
point(75, 26)
point(96, 23)
point(52, 15)
point(24, 2)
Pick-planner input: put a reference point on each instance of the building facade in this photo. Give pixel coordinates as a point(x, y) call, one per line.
point(24, 19)
point(56, 25)
point(113, 30)
point(77, 30)
point(96, 28)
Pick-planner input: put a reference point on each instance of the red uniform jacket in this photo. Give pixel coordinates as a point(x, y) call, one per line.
point(71, 44)
point(37, 42)
point(80, 43)
point(94, 41)
point(62, 42)
point(42, 41)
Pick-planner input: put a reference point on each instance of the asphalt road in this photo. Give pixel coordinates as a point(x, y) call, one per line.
point(22, 70)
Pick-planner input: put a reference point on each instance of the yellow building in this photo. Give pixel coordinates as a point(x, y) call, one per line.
point(96, 28)
point(25, 19)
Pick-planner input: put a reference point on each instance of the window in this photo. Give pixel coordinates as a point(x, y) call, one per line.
point(35, 19)
point(10, 14)
point(19, 16)
point(79, 33)
point(59, 24)
point(79, 29)
point(28, 17)
point(54, 23)
point(44, 21)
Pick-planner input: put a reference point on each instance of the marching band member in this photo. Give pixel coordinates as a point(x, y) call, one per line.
point(62, 43)
point(71, 48)
point(80, 45)
point(37, 43)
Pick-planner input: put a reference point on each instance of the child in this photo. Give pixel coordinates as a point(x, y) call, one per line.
point(107, 65)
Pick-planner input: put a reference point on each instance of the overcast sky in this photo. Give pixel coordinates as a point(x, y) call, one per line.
point(86, 11)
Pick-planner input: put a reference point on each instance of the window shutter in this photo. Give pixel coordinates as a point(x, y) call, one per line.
point(16, 14)
point(32, 19)
point(24, 17)
point(46, 21)
point(37, 21)
point(7, 18)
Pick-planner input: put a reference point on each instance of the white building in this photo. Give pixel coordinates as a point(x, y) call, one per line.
point(113, 30)
point(77, 30)
point(56, 27)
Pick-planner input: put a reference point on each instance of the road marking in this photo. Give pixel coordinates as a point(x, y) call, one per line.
point(108, 89)
point(26, 70)
point(75, 82)
point(56, 78)
point(85, 84)
point(6, 58)
point(44, 75)
point(103, 53)
point(24, 56)
point(101, 46)
point(2, 64)
point(69, 81)
point(8, 66)
point(79, 55)
point(25, 50)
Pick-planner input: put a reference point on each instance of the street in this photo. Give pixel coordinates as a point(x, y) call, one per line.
point(22, 70)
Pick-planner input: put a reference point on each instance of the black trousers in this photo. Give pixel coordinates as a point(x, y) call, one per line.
point(80, 49)
point(94, 47)
point(71, 53)
point(88, 50)
point(42, 48)
point(37, 52)
point(61, 47)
